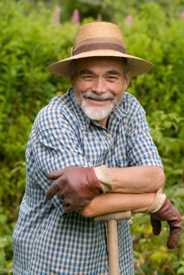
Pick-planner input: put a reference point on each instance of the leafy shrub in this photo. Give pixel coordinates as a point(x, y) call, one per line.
point(28, 43)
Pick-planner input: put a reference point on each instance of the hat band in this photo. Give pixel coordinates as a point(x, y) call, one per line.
point(99, 46)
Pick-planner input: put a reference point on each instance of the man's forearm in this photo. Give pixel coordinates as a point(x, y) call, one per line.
point(112, 203)
point(136, 179)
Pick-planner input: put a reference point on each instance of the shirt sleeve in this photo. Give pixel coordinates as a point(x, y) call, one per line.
point(57, 145)
point(54, 145)
point(141, 148)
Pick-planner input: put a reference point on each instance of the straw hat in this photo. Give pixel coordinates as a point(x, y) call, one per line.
point(100, 39)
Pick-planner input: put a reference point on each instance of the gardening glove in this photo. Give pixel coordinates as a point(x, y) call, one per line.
point(170, 214)
point(77, 186)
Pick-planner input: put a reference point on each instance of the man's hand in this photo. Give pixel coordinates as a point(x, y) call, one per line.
point(77, 186)
point(170, 214)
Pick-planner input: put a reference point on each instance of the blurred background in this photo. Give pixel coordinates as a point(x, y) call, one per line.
point(34, 34)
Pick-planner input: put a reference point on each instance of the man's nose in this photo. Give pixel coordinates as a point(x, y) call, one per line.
point(99, 85)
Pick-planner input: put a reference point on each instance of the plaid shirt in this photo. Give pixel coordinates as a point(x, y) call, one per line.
point(48, 241)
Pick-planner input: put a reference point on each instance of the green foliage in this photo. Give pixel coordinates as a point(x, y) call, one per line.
point(161, 91)
point(114, 10)
point(28, 43)
point(120, 8)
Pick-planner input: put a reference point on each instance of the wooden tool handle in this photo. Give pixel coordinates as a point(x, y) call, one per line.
point(112, 242)
point(112, 238)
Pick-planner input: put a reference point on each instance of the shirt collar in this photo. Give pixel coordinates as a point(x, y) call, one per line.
point(119, 111)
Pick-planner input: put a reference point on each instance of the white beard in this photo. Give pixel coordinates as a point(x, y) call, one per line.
point(96, 113)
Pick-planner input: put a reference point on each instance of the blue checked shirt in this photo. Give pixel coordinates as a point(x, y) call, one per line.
point(48, 241)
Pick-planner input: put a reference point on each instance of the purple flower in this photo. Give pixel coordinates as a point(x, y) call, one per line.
point(76, 16)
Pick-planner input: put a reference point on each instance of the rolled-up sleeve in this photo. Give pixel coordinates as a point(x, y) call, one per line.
point(53, 145)
point(141, 148)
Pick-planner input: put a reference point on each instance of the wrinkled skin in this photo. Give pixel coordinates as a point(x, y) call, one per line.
point(170, 214)
point(77, 186)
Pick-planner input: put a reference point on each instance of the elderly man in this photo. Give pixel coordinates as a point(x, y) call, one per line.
point(90, 153)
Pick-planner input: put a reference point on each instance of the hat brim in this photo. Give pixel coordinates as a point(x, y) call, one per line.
point(135, 65)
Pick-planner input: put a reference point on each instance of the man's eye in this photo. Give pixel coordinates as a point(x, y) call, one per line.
point(87, 77)
point(112, 78)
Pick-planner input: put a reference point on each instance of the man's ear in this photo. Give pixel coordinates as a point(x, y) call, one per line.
point(73, 72)
point(126, 81)
point(72, 80)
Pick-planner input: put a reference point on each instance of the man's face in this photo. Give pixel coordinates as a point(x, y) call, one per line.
point(99, 84)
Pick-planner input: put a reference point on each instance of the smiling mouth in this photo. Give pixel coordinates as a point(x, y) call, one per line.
point(100, 99)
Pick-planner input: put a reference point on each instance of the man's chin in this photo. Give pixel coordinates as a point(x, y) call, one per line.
point(96, 113)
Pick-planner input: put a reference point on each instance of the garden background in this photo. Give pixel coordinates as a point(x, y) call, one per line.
point(34, 34)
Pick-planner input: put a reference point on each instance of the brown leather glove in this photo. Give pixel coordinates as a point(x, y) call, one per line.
point(170, 214)
point(77, 186)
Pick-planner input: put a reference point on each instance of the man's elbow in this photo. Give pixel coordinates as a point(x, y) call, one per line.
point(159, 179)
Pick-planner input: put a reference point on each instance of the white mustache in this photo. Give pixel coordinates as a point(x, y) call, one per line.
point(103, 96)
